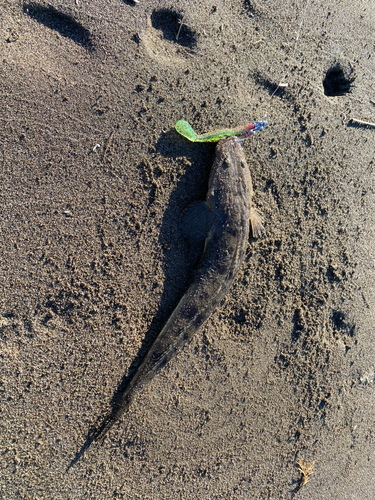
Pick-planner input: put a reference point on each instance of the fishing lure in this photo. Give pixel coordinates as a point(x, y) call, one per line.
point(185, 129)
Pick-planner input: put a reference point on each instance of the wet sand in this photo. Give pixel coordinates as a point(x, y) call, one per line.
point(94, 179)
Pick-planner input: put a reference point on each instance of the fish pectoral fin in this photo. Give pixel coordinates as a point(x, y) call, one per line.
point(257, 228)
point(195, 222)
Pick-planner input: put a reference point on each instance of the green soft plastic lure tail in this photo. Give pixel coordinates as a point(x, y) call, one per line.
point(185, 129)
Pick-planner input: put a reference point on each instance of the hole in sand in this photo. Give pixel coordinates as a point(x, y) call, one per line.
point(173, 28)
point(338, 80)
point(62, 23)
point(250, 7)
point(342, 324)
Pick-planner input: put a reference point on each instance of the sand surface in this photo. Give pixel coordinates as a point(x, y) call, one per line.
point(93, 262)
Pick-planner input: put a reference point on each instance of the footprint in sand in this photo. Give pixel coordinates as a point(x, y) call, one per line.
point(63, 23)
point(168, 39)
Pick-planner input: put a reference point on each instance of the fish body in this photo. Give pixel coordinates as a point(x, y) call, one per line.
point(229, 214)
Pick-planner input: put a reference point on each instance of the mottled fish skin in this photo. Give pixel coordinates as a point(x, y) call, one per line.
point(229, 199)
